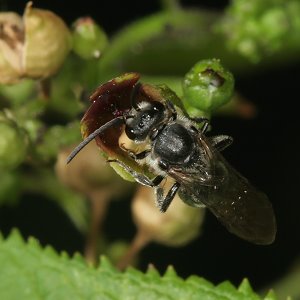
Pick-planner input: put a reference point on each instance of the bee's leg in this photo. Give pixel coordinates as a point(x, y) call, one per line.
point(221, 141)
point(133, 96)
point(172, 109)
point(140, 178)
point(139, 156)
point(203, 120)
point(135, 156)
point(172, 115)
point(163, 203)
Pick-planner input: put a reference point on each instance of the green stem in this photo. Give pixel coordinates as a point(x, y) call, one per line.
point(99, 202)
point(173, 82)
point(44, 88)
point(166, 43)
point(139, 242)
point(170, 43)
point(170, 5)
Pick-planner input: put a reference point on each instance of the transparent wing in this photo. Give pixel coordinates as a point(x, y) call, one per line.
point(243, 209)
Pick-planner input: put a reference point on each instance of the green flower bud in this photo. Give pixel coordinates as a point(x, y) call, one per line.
point(89, 40)
point(207, 86)
point(18, 93)
point(13, 143)
point(34, 47)
point(9, 187)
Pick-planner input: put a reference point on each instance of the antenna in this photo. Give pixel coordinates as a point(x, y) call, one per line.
point(110, 123)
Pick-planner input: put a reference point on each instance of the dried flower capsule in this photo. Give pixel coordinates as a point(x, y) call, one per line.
point(11, 46)
point(47, 42)
point(178, 226)
point(34, 47)
point(89, 173)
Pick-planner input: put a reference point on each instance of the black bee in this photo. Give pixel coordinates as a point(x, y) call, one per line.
point(177, 148)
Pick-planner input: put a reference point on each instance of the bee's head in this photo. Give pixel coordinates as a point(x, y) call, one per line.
point(143, 119)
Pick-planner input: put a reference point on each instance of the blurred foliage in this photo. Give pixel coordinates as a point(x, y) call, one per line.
point(260, 29)
point(43, 85)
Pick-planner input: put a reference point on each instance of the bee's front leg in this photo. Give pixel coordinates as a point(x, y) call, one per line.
point(140, 178)
point(136, 156)
point(139, 156)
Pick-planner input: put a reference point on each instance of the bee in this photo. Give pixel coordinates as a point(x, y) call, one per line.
point(177, 146)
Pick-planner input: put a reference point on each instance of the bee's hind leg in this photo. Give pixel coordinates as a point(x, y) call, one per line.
point(221, 142)
point(163, 203)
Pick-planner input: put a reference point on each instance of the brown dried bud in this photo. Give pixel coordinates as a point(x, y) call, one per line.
point(176, 227)
point(11, 46)
point(34, 46)
point(89, 172)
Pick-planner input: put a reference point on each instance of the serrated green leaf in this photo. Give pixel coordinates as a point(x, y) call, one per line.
point(272, 296)
point(170, 272)
point(152, 272)
point(29, 271)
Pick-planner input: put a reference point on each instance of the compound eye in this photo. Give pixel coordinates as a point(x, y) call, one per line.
point(138, 127)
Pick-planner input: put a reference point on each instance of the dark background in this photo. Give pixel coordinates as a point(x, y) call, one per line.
point(266, 150)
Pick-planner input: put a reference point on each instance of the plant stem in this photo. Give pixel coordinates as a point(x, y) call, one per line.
point(45, 88)
point(99, 202)
point(170, 5)
point(165, 43)
point(140, 240)
point(239, 107)
point(170, 44)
